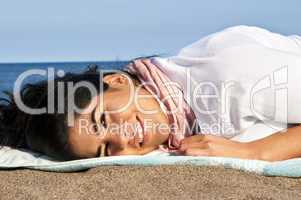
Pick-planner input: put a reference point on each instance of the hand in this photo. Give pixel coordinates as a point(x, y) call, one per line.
point(210, 145)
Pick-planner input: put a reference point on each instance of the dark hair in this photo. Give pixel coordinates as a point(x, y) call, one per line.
point(45, 133)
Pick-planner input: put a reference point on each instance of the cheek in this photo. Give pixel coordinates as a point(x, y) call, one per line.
point(120, 100)
point(148, 105)
point(118, 104)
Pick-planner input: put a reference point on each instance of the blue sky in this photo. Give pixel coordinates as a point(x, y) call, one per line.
point(96, 30)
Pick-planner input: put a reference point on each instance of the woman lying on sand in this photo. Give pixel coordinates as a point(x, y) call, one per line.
point(197, 103)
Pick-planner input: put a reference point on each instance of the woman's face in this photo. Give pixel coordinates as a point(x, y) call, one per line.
point(127, 120)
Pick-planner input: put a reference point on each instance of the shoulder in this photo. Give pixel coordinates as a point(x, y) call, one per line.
point(227, 38)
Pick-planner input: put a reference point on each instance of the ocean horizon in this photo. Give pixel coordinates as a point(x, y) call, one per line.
point(9, 72)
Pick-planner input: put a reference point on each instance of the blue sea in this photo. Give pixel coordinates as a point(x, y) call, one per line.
point(10, 72)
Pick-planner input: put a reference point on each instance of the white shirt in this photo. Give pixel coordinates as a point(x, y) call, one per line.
point(248, 74)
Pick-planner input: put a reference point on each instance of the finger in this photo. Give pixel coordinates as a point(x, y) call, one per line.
point(193, 139)
point(200, 145)
point(197, 152)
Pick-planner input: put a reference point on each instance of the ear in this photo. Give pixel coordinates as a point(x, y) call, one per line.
point(116, 79)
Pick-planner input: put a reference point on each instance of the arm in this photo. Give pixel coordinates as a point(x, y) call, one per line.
point(279, 146)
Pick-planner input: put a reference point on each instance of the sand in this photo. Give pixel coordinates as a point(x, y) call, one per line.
point(165, 182)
